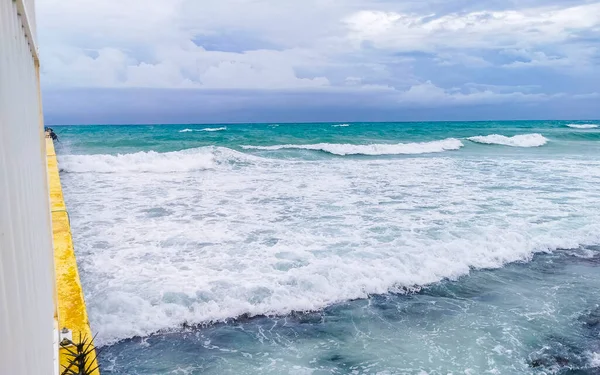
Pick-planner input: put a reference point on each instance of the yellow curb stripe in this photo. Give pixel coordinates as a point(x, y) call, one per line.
point(72, 312)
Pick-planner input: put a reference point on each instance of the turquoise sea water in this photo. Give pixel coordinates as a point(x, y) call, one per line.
point(360, 248)
point(111, 139)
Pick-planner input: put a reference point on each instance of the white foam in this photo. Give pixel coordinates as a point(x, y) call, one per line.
point(372, 149)
point(160, 249)
point(203, 130)
point(195, 159)
point(523, 140)
point(582, 126)
point(179, 161)
point(341, 126)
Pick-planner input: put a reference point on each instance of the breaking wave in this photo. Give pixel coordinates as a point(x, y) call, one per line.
point(161, 249)
point(524, 140)
point(341, 126)
point(155, 162)
point(582, 126)
point(303, 236)
point(449, 144)
point(203, 130)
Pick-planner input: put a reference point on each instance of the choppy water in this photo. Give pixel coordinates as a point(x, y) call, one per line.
point(410, 248)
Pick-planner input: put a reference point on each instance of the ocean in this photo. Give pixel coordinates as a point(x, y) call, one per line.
point(339, 248)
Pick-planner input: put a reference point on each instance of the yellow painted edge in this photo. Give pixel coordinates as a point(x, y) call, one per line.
point(72, 312)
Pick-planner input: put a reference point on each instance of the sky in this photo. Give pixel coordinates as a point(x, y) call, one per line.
point(211, 61)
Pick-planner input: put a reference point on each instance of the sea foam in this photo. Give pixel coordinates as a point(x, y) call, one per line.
point(371, 149)
point(194, 159)
point(179, 161)
point(203, 130)
point(524, 140)
point(582, 126)
point(158, 250)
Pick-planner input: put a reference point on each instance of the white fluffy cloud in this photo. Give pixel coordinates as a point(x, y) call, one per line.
point(316, 45)
point(191, 67)
point(150, 44)
point(482, 30)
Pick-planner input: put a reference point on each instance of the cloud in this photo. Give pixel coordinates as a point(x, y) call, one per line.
point(502, 88)
point(156, 44)
point(592, 95)
point(231, 74)
point(536, 59)
point(483, 29)
point(180, 67)
point(414, 53)
point(428, 94)
point(459, 58)
point(559, 38)
point(139, 106)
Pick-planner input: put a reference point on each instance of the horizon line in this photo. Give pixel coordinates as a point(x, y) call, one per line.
point(312, 122)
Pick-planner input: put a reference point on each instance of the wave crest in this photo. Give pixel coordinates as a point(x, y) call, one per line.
point(203, 130)
point(449, 144)
point(195, 159)
point(524, 140)
point(582, 126)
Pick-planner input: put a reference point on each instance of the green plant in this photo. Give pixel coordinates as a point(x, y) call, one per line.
point(81, 356)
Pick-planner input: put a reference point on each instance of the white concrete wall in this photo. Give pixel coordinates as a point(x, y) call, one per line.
point(26, 260)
